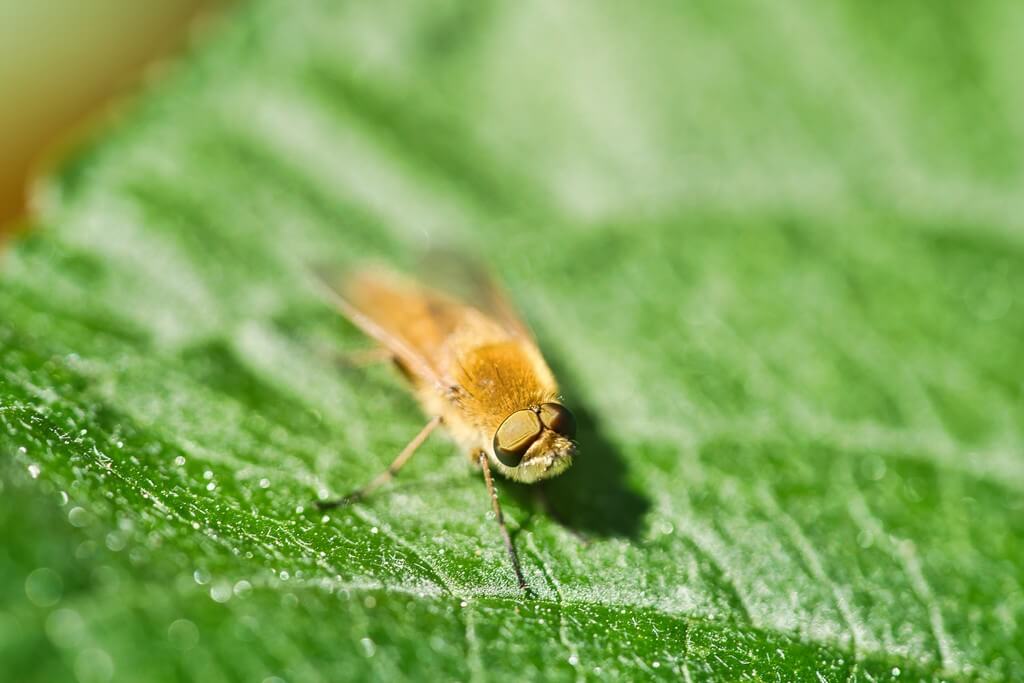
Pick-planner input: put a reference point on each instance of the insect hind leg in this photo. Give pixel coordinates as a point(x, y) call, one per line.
point(388, 474)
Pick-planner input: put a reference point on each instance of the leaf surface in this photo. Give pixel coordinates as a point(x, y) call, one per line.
point(774, 256)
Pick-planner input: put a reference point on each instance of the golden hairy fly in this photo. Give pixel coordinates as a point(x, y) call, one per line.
point(474, 367)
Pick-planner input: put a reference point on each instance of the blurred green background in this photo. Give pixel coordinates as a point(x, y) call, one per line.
point(773, 251)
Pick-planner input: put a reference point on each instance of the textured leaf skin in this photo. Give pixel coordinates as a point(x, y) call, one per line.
point(775, 257)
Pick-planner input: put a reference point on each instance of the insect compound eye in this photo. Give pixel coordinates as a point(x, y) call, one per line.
point(558, 418)
point(515, 435)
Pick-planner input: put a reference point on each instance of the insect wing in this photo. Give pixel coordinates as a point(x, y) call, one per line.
point(464, 279)
point(387, 311)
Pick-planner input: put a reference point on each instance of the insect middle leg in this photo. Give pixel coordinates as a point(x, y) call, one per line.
point(388, 474)
point(513, 556)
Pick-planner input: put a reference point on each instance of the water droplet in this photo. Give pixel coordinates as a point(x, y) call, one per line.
point(44, 587)
point(65, 627)
point(220, 591)
point(34, 470)
point(873, 467)
point(574, 660)
point(183, 634)
point(284, 575)
point(115, 541)
point(369, 602)
point(299, 509)
point(201, 576)
point(22, 450)
point(264, 483)
point(243, 588)
point(369, 648)
point(85, 550)
point(120, 444)
point(64, 498)
point(208, 475)
point(325, 519)
point(78, 516)
point(195, 525)
point(179, 461)
point(373, 530)
point(211, 486)
point(896, 671)
point(94, 666)
point(656, 665)
point(464, 604)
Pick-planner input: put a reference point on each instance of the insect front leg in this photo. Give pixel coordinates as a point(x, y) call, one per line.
point(388, 474)
point(513, 556)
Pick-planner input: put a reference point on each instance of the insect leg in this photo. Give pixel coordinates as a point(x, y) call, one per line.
point(501, 520)
point(385, 476)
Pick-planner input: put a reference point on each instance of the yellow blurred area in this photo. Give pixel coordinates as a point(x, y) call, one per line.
point(61, 61)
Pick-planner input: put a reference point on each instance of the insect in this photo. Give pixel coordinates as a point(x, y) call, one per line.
point(475, 368)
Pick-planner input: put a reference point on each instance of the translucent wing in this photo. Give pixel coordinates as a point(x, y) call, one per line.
point(428, 323)
point(388, 311)
point(464, 279)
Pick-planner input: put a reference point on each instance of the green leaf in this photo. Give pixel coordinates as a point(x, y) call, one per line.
point(774, 253)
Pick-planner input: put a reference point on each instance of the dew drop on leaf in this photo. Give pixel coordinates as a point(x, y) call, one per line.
point(94, 666)
point(220, 591)
point(183, 634)
point(44, 587)
point(78, 516)
point(65, 628)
